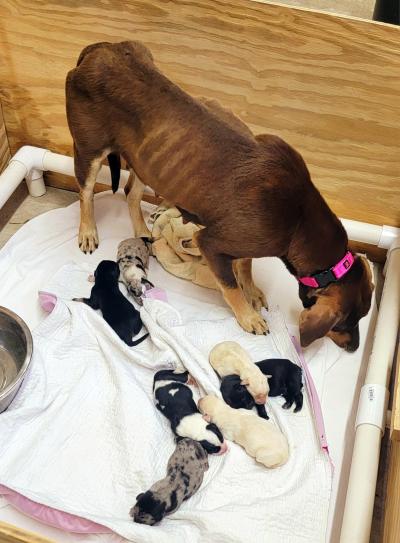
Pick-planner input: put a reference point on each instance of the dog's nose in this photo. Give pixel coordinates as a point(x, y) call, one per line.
point(223, 450)
point(261, 398)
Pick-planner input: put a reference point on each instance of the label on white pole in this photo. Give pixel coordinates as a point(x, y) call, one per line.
point(372, 406)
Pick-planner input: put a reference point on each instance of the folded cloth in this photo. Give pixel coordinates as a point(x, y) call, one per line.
point(83, 435)
point(175, 250)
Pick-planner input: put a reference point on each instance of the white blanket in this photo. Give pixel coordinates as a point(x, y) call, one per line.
point(83, 434)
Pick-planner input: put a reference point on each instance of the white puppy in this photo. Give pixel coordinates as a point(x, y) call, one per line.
point(229, 358)
point(260, 438)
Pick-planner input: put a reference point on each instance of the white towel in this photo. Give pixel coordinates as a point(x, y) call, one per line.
point(83, 434)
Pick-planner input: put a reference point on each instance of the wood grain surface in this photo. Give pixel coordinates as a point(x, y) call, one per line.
point(4, 147)
point(395, 418)
point(391, 526)
point(12, 534)
point(328, 85)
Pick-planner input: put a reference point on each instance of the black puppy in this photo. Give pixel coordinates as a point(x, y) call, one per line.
point(285, 380)
point(117, 311)
point(238, 397)
point(175, 401)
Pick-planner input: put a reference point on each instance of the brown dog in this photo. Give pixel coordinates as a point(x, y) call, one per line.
point(252, 193)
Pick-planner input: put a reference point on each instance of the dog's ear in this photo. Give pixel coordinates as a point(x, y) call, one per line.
point(318, 320)
point(139, 496)
point(245, 382)
point(90, 48)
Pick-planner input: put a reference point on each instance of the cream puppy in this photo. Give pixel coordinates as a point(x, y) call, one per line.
point(260, 438)
point(229, 358)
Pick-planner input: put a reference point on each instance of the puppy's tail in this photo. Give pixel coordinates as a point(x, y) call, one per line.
point(114, 162)
point(133, 343)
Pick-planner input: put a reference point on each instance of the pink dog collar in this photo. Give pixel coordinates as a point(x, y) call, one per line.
point(322, 279)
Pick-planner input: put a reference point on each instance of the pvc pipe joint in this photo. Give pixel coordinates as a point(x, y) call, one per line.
point(32, 160)
point(372, 406)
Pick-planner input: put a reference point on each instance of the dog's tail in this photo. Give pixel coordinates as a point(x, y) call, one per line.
point(114, 162)
point(133, 343)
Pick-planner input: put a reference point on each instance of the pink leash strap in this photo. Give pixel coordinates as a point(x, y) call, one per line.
point(314, 399)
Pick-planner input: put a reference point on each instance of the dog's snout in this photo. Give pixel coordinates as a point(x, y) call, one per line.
point(260, 398)
point(223, 449)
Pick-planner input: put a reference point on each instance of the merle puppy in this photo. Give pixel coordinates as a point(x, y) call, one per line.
point(185, 472)
point(174, 399)
point(285, 380)
point(133, 261)
point(117, 311)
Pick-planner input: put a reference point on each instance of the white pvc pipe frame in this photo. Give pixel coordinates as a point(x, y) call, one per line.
point(30, 163)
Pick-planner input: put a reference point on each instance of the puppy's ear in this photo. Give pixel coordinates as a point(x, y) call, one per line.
point(139, 496)
point(245, 382)
point(317, 321)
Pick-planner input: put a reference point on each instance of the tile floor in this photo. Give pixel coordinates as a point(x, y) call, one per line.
point(21, 208)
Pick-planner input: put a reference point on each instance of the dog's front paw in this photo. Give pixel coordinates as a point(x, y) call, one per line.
point(253, 322)
point(258, 299)
point(88, 240)
point(255, 297)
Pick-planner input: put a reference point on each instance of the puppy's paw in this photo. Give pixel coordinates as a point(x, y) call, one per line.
point(287, 405)
point(88, 240)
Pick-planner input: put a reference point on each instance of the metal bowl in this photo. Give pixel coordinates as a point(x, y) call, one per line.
point(15, 355)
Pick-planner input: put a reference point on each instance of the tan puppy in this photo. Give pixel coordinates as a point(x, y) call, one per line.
point(229, 358)
point(260, 438)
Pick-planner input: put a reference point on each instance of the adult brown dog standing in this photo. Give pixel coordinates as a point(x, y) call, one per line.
point(252, 193)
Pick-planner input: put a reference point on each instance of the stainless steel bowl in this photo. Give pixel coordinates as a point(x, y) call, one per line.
point(15, 355)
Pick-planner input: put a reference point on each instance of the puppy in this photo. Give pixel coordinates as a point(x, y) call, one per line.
point(229, 358)
point(285, 379)
point(175, 401)
point(185, 472)
point(133, 260)
point(237, 396)
point(260, 438)
point(117, 311)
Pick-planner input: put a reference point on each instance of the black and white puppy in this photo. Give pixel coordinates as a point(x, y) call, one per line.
point(117, 311)
point(285, 380)
point(174, 399)
point(185, 472)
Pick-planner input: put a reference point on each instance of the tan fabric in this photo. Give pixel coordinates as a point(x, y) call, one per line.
point(174, 248)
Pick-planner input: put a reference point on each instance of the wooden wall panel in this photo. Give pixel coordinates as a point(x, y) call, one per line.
point(330, 86)
point(4, 147)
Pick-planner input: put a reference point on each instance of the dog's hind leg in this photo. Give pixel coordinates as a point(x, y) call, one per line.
point(134, 190)
point(211, 247)
point(86, 171)
point(254, 295)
